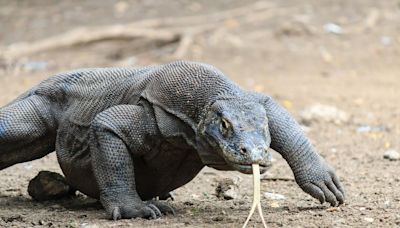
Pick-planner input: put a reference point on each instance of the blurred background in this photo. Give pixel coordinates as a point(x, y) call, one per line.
point(334, 64)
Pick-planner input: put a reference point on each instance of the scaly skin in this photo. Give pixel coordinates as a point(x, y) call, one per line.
point(127, 135)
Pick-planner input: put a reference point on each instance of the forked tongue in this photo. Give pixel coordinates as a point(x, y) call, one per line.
point(256, 196)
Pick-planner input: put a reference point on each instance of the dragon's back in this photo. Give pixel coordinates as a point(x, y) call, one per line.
point(181, 87)
point(91, 83)
point(81, 94)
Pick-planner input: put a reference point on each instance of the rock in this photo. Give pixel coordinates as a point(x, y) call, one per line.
point(227, 189)
point(218, 218)
point(48, 186)
point(88, 225)
point(325, 113)
point(34, 65)
point(28, 165)
point(386, 40)
point(372, 128)
point(367, 219)
point(391, 155)
point(274, 205)
point(333, 28)
point(274, 196)
point(333, 209)
point(195, 196)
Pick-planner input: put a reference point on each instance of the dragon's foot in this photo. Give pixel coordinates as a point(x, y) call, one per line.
point(320, 181)
point(149, 210)
point(163, 207)
point(133, 211)
point(127, 205)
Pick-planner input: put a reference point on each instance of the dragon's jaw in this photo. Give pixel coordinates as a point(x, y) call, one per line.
point(247, 168)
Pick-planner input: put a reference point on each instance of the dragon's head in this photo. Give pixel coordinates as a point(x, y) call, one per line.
point(238, 131)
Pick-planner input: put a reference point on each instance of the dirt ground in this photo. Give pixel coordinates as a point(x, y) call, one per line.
point(345, 54)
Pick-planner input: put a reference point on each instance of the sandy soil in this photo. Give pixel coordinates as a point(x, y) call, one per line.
point(287, 52)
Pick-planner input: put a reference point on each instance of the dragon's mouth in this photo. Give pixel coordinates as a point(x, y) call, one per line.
point(241, 167)
point(247, 168)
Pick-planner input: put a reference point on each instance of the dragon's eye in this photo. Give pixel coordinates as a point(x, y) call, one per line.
point(225, 124)
point(224, 127)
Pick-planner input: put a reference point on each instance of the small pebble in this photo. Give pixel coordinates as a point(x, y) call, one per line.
point(195, 196)
point(274, 204)
point(367, 219)
point(88, 225)
point(227, 189)
point(34, 65)
point(387, 203)
point(386, 40)
point(274, 196)
point(218, 218)
point(28, 166)
point(333, 209)
point(333, 28)
point(391, 155)
point(323, 113)
point(372, 128)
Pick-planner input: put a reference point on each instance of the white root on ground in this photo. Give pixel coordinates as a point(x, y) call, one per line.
point(256, 196)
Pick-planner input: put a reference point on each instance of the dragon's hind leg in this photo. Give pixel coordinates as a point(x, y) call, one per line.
point(27, 130)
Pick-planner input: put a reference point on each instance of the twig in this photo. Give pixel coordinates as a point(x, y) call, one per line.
point(87, 35)
point(162, 29)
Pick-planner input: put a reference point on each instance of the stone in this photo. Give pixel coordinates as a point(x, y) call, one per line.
point(227, 189)
point(274, 196)
point(369, 220)
point(49, 186)
point(323, 113)
point(333, 28)
point(391, 155)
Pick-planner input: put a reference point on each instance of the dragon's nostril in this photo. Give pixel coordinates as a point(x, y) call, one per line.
point(243, 150)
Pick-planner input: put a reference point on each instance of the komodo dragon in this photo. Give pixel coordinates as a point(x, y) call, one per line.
point(128, 135)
